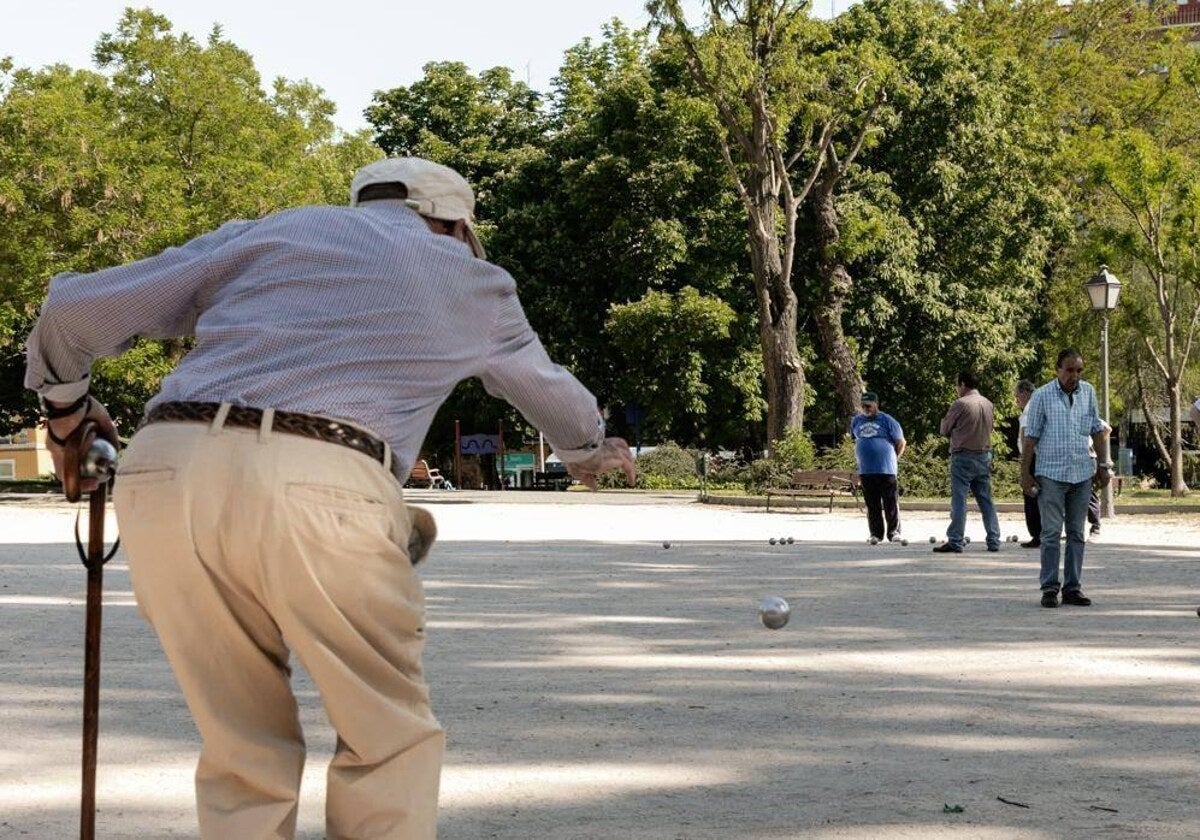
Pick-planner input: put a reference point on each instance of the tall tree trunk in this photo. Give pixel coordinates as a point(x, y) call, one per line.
point(782, 366)
point(1178, 485)
point(836, 284)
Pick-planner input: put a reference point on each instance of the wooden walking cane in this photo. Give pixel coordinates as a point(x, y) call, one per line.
point(87, 455)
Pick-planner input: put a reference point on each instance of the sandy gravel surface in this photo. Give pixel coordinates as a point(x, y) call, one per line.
point(595, 684)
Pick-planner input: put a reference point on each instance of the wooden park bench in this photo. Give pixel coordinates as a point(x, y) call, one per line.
point(817, 484)
point(423, 475)
point(552, 480)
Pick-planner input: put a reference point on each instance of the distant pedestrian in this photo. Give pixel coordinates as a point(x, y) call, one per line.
point(1062, 423)
point(878, 445)
point(969, 424)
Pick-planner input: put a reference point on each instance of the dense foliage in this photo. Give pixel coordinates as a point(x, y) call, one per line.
point(955, 175)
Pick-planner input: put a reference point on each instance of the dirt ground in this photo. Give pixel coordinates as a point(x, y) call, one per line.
point(595, 684)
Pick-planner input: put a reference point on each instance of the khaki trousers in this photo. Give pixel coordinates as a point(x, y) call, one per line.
point(245, 545)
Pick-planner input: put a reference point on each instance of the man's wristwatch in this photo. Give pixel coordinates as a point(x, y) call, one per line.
point(1104, 466)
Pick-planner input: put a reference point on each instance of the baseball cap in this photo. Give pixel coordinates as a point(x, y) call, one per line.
point(869, 396)
point(434, 190)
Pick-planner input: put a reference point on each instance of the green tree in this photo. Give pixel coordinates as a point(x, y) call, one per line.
point(630, 197)
point(795, 110)
point(950, 219)
point(677, 334)
point(482, 126)
point(1148, 219)
point(1119, 93)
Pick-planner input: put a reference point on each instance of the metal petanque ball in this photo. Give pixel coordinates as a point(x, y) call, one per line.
point(873, 540)
point(771, 541)
point(933, 539)
point(100, 460)
point(791, 540)
point(774, 612)
point(967, 540)
point(903, 542)
point(666, 545)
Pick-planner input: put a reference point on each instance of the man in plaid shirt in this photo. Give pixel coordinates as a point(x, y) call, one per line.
point(1063, 422)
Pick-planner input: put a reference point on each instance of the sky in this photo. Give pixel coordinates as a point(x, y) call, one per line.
point(351, 48)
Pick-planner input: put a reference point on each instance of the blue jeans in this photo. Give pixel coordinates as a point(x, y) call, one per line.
point(971, 471)
point(1062, 503)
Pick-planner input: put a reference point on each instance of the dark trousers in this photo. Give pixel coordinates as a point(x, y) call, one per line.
point(1093, 514)
point(881, 494)
point(1033, 516)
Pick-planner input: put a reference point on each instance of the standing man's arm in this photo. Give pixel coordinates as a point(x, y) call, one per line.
point(1028, 450)
point(1034, 421)
point(951, 418)
point(899, 442)
point(1100, 432)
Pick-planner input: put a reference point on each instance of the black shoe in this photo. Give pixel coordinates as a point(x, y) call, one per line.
point(1050, 598)
point(1076, 599)
point(1032, 544)
point(1095, 532)
point(947, 548)
point(994, 547)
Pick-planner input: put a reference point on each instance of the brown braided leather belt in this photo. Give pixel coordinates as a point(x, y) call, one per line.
point(288, 422)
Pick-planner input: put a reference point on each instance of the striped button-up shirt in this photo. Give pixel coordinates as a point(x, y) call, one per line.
point(1062, 425)
point(361, 314)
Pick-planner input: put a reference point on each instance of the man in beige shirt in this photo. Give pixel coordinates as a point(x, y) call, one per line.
point(969, 424)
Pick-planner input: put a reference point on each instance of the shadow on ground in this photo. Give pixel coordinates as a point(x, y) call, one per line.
point(628, 691)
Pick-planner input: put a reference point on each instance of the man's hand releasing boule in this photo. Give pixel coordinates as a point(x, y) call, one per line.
point(612, 454)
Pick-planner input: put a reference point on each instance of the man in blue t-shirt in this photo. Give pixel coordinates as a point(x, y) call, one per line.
point(878, 443)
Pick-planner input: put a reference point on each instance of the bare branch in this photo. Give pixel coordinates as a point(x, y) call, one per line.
point(824, 143)
point(733, 171)
point(1151, 420)
point(864, 129)
point(1158, 362)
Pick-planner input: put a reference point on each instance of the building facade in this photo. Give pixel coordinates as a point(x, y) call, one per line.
point(23, 456)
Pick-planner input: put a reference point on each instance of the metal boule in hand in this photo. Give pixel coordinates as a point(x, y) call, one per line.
point(100, 460)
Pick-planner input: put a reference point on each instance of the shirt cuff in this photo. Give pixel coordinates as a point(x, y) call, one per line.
point(582, 453)
point(64, 392)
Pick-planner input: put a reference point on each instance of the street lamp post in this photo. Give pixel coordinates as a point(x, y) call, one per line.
point(1103, 290)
